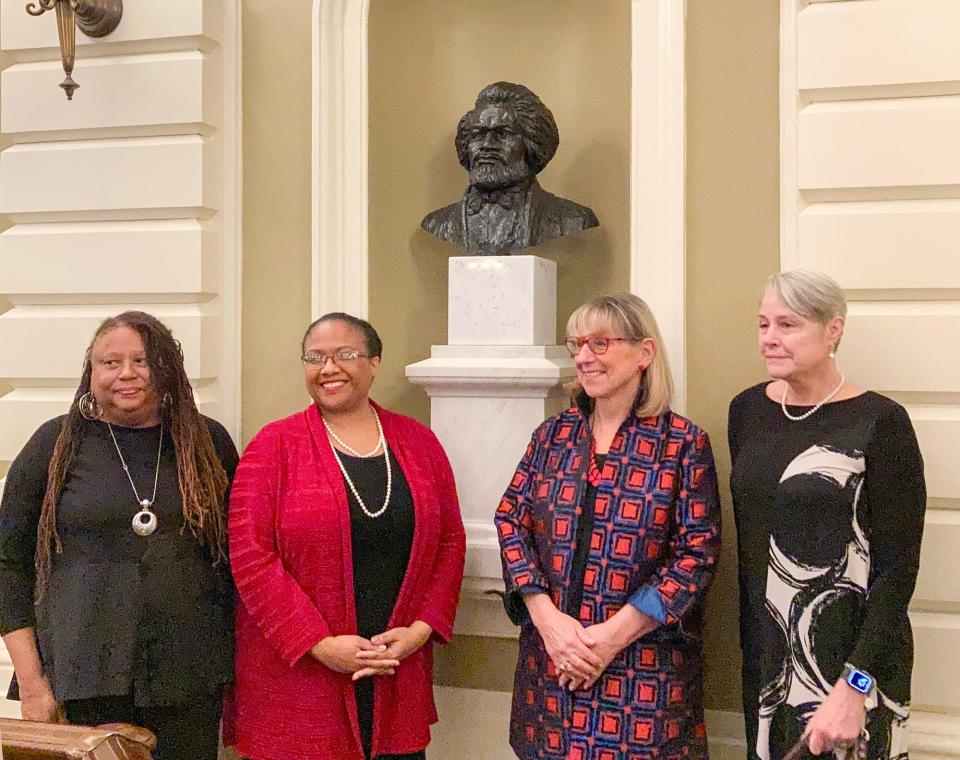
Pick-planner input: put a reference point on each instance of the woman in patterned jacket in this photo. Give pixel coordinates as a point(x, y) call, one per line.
point(609, 535)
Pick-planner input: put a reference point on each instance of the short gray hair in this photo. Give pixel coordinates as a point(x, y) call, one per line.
point(813, 295)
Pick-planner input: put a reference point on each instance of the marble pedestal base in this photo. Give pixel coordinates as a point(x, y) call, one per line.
point(485, 401)
point(495, 385)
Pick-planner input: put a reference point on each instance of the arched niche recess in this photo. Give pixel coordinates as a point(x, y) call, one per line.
point(340, 168)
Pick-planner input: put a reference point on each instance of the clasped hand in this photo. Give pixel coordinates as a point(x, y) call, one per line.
point(579, 654)
point(377, 656)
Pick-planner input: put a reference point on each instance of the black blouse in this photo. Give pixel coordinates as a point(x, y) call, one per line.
point(829, 514)
point(121, 613)
point(381, 550)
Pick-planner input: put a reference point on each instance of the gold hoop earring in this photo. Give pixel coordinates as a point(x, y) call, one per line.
point(88, 407)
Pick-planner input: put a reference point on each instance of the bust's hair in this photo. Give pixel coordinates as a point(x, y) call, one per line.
point(540, 134)
point(370, 337)
point(625, 315)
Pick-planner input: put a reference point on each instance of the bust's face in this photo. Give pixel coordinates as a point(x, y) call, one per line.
point(497, 156)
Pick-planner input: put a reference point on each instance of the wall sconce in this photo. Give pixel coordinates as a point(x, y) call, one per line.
point(96, 18)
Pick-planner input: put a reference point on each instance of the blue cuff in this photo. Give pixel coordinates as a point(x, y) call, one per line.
point(530, 590)
point(647, 600)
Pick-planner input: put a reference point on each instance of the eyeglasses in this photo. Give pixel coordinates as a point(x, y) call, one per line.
point(341, 357)
point(597, 344)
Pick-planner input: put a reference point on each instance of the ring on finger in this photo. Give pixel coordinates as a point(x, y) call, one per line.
point(564, 666)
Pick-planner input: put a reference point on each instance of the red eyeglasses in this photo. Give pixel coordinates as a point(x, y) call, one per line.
point(597, 344)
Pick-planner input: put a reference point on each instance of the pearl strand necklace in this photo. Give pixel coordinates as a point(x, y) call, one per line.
point(346, 476)
point(348, 448)
point(783, 402)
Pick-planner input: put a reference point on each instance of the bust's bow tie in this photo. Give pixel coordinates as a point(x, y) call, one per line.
point(509, 198)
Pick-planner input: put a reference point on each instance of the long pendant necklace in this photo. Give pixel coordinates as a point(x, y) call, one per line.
point(381, 443)
point(811, 410)
point(145, 521)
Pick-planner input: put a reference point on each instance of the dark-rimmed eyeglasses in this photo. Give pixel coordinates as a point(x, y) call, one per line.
point(341, 357)
point(598, 344)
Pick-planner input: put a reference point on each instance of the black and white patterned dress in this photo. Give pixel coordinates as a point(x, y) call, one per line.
point(829, 514)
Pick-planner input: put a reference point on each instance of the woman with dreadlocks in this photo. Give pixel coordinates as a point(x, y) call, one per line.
point(115, 600)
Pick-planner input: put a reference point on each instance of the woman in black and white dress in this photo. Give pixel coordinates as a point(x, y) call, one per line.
point(829, 499)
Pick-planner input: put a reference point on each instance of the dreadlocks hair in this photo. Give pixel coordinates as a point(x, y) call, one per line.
point(202, 479)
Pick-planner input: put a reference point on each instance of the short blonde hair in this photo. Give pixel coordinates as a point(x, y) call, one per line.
point(629, 317)
point(813, 295)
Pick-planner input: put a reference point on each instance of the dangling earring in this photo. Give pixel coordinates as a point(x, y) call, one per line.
point(88, 407)
point(833, 353)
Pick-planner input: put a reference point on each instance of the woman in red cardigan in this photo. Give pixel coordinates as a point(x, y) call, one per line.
point(347, 548)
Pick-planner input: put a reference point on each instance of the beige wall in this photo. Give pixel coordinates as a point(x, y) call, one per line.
point(732, 244)
point(732, 227)
point(428, 60)
point(276, 207)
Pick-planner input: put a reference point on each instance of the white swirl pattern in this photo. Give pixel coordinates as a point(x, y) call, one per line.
point(798, 591)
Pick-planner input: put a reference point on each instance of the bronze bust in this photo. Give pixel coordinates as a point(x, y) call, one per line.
point(503, 143)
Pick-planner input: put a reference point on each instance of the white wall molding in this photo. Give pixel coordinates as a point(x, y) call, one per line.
point(658, 173)
point(870, 193)
point(338, 278)
point(340, 127)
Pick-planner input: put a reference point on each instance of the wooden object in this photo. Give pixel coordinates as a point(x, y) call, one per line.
point(27, 740)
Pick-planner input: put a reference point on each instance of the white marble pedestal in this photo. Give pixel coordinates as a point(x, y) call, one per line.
point(498, 378)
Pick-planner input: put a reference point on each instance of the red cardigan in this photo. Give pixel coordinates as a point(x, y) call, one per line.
point(291, 558)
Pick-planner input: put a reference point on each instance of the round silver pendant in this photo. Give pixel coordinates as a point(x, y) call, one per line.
point(144, 522)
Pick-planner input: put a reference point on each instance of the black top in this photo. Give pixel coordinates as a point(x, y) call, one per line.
point(122, 613)
point(578, 564)
point(381, 550)
point(381, 545)
point(829, 514)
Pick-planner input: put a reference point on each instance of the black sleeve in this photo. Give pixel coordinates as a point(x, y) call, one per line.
point(225, 448)
point(897, 500)
point(733, 426)
point(19, 515)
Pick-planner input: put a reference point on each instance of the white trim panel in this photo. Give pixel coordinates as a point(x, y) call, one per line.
point(118, 91)
point(107, 175)
point(892, 46)
point(57, 262)
point(54, 339)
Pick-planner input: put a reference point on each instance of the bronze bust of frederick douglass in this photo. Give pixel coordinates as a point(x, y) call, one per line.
point(504, 142)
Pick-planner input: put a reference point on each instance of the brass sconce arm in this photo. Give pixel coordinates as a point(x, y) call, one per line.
point(96, 18)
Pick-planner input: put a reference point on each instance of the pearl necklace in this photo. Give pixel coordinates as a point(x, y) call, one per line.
point(382, 442)
point(811, 410)
point(348, 448)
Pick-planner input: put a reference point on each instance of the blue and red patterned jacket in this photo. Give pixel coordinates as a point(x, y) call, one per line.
point(656, 530)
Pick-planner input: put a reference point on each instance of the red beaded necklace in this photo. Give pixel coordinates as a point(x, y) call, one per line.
point(593, 473)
